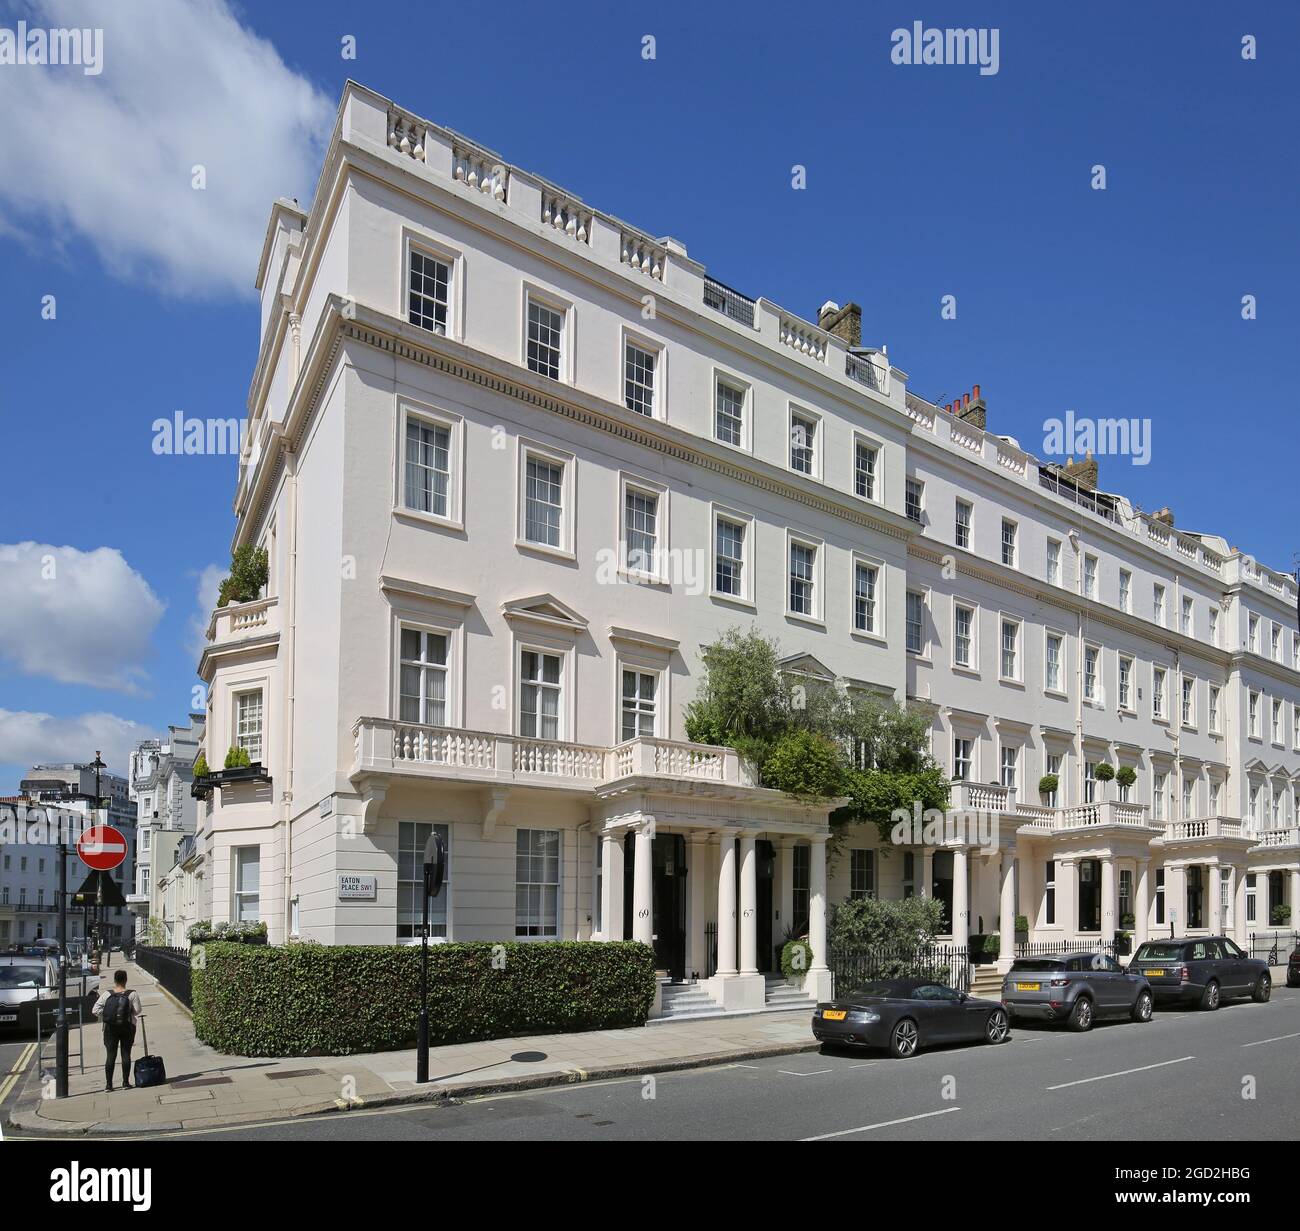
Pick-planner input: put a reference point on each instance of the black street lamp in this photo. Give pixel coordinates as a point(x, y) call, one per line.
point(435, 869)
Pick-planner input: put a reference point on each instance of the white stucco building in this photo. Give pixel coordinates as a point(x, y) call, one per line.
point(515, 461)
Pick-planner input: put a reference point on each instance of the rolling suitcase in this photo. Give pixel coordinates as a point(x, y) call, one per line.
point(149, 1070)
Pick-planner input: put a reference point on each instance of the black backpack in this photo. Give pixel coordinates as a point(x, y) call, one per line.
point(117, 1011)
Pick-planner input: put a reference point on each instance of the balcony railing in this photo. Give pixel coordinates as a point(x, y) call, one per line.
point(244, 620)
point(730, 303)
point(865, 371)
point(384, 745)
point(1279, 837)
point(1205, 827)
point(982, 797)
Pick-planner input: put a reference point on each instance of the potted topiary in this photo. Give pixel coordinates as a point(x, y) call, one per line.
point(1281, 915)
point(1126, 776)
point(201, 788)
point(1104, 773)
point(796, 958)
point(1047, 785)
point(1022, 929)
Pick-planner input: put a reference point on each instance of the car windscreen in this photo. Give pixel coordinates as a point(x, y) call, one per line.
point(22, 976)
point(1037, 964)
point(1158, 951)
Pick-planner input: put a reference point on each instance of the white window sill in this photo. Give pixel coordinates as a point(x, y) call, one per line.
point(418, 517)
point(544, 549)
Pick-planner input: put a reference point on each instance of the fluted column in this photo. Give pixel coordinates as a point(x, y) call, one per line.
point(727, 902)
point(643, 925)
point(748, 905)
point(817, 902)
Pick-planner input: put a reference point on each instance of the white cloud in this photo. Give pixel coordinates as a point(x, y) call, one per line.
point(111, 156)
point(209, 585)
point(28, 738)
point(78, 617)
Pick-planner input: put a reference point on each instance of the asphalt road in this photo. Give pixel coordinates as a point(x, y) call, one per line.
point(1186, 1075)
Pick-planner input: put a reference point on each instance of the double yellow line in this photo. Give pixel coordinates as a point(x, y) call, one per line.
point(10, 1080)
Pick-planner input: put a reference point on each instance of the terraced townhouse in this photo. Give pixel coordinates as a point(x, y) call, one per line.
point(514, 461)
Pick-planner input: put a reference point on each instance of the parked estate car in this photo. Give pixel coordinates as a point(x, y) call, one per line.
point(1293, 968)
point(1205, 969)
point(906, 1014)
point(31, 975)
point(1076, 988)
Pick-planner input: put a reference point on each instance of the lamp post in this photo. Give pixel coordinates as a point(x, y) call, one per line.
point(435, 868)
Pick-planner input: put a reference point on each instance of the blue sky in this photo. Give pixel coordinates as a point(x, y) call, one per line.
point(922, 181)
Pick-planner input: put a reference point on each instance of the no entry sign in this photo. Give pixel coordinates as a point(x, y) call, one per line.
point(101, 847)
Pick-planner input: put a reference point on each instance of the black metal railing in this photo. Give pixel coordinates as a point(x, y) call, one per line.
point(854, 965)
point(171, 967)
point(863, 370)
point(1049, 948)
point(722, 298)
point(1273, 947)
point(710, 950)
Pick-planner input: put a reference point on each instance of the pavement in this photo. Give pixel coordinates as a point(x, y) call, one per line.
point(207, 1089)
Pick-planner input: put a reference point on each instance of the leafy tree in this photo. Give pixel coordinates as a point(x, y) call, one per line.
point(806, 765)
point(908, 924)
point(249, 569)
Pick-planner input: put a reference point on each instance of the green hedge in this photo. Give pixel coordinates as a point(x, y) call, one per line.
point(298, 1000)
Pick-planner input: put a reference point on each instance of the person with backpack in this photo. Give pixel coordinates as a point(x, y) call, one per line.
point(118, 1009)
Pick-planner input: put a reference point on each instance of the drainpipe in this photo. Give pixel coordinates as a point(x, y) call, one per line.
point(289, 647)
point(1077, 547)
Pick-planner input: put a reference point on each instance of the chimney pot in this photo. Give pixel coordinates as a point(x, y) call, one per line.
point(977, 393)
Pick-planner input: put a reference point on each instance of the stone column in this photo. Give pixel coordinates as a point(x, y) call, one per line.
point(643, 924)
point(927, 872)
point(1241, 932)
point(1295, 899)
point(611, 884)
point(1067, 910)
point(818, 981)
point(1216, 895)
point(748, 905)
point(1108, 899)
point(727, 902)
point(697, 878)
point(1142, 903)
point(1007, 911)
point(960, 897)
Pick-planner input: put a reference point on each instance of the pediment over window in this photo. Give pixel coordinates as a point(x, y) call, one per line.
point(544, 609)
point(807, 664)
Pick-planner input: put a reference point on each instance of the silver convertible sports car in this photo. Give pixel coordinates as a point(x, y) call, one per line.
point(903, 1015)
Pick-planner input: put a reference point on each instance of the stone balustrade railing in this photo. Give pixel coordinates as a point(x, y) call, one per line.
point(805, 338)
point(406, 133)
point(1279, 837)
point(476, 168)
point(643, 255)
point(566, 216)
point(1205, 827)
point(250, 619)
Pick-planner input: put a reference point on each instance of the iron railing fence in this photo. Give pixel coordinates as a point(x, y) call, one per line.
point(854, 965)
point(170, 966)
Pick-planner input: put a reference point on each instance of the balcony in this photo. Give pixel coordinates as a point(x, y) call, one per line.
point(241, 620)
point(1271, 838)
point(387, 746)
point(1205, 829)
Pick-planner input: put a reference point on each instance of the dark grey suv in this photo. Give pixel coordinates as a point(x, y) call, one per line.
point(1076, 988)
point(1202, 970)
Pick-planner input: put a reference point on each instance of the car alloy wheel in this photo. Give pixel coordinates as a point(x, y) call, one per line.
point(1081, 1017)
point(997, 1027)
point(1210, 997)
point(1142, 1010)
point(1263, 989)
point(903, 1041)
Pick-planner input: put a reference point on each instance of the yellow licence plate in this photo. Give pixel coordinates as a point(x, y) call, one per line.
point(1029, 987)
point(835, 1015)
point(1158, 973)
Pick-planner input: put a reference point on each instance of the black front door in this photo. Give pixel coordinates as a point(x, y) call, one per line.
point(1090, 895)
point(766, 853)
point(668, 899)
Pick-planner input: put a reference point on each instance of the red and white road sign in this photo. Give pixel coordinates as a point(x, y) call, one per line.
point(101, 847)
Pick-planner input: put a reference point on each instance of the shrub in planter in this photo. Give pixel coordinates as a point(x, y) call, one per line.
point(1127, 919)
point(248, 574)
point(1048, 783)
point(1281, 914)
point(805, 765)
point(296, 1000)
point(237, 758)
point(796, 958)
point(1126, 775)
point(1022, 927)
point(1105, 772)
point(201, 766)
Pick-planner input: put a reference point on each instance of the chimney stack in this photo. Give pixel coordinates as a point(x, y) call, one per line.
point(1164, 516)
point(1084, 473)
point(845, 323)
point(970, 408)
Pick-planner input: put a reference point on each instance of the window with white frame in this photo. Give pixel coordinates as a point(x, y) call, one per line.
point(1053, 765)
point(1189, 798)
point(640, 694)
point(1216, 796)
point(1158, 603)
point(1090, 576)
point(422, 677)
point(962, 758)
point(803, 442)
point(537, 883)
point(1054, 561)
point(428, 289)
point(412, 838)
point(963, 635)
point(862, 874)
point(1295, 726)
point(1251, 893)
point(1295, 651)
point(865, 579)
point(1186, 623)
point(729, 413)
point(641, 530)
point(427, 484)
point(1189, 701)
point(246, 906)
point(1010, 649)
point(1052, 662)
point(915, 622)
point(1276, 642)
point(729, 573)
point(1252, 711)
point(1126, 684)
point(639, 364)
point(1009, 542)
point(1049, 893)
point(248, 723)
point(1010, 766)
point(914, 500)
point(1125, 590)
point(965, 514)
point(540, 692)
point(866, 458)
point(1253, 634)
point(803, 572)
point(1090, 782)
point(1158, 692)
point(1277, 722)
point(1158, 780)
point(1091, 656)
point(1214, 707)
point(544, 501)
point(1214, 626)
point(545, 338)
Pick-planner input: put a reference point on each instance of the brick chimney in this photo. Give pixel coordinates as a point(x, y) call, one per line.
point(970, 408)
point(1164, 516)
point(845, 323)
point(1084, 473)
